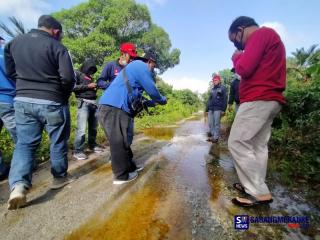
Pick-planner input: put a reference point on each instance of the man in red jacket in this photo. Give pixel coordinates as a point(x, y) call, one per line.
point(261, 62)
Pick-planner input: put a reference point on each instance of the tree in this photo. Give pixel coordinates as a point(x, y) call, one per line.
point(18, 25)
point(304, 60)
point(108, 23)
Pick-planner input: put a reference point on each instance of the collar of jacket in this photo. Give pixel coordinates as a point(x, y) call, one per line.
point(42, 32)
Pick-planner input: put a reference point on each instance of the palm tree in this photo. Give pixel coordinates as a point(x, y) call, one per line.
point(304, 59)
point(302, 56)
point(18, 30)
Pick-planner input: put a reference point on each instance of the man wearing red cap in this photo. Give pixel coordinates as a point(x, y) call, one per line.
point(216, 106)
point(111, 69)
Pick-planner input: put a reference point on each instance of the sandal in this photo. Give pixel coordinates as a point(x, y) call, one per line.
point(239, 188)
point(254, 202)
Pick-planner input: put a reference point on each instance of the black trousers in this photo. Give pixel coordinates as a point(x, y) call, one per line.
point(115, 124)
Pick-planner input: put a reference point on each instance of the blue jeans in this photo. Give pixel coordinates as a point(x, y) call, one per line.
point(87, 112)
point(8, 120)
point(31, 120)
point(214, 123)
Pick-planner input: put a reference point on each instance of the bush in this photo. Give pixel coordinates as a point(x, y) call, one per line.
point(295, 142)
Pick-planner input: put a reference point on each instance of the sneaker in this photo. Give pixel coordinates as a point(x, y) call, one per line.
point(140, 167)
point(132, 176)
point(58, 183)
point(80, 156)
point(18, 197)
point(97, 149)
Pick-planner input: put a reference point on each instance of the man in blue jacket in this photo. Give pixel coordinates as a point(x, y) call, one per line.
point(216, 107)
point(116, 113)
point(7, 93)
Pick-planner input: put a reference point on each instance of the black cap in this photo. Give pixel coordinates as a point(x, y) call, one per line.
point(49, 22)
point(148, 55)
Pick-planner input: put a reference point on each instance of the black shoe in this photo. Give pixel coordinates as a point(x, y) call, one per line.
point(58, 183)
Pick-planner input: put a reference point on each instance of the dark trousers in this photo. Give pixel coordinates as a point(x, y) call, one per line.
point(116, 124)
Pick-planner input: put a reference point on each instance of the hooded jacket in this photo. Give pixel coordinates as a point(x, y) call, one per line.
point(83, 79)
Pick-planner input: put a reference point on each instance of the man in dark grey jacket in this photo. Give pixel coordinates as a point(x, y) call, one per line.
point(43, 71)
point(216, 107)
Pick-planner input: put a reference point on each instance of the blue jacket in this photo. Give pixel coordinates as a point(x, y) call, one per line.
point(7, 86)
point(140, 79)
point(109, 73)
point(217, 99)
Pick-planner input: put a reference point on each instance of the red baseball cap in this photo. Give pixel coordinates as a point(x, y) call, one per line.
point(129, 48)
point(216, 77)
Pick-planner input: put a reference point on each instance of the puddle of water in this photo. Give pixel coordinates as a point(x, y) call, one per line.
point(160, 133)
point(147, 214)
point(220, 168)
point(133, 219)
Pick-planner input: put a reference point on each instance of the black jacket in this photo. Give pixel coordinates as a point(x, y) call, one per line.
point(83, 78)
point(234, 91)
point(41, 67)
point(217, 99)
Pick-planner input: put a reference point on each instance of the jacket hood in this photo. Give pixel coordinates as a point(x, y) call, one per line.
point(89, 65)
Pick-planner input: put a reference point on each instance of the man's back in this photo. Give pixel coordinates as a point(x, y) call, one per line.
point(40, 65)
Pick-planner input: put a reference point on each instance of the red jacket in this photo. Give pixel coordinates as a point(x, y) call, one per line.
point(262, 67)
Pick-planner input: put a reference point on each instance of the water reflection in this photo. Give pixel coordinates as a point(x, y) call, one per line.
point(160, 133)
point(219, 153)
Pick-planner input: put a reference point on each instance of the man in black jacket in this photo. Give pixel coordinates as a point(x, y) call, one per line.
point(43, 71)
point(86, 94)
point(216, 107)
point(234, 91)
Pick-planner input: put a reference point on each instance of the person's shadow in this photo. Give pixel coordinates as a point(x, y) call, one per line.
point(47, 196)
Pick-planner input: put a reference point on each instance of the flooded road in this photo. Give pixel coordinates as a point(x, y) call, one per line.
point(188, 197)
point(184, 193)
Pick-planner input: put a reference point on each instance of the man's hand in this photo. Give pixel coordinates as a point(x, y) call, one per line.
point(92, 85)
point(236, 54)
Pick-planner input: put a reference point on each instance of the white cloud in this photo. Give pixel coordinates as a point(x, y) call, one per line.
point(280, 29)
point(27, 11)
point(185, 82)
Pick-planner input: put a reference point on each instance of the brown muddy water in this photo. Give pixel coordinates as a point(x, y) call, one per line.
point(188, 196)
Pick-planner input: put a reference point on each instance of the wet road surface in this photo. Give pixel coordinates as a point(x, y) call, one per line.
point(183, 193)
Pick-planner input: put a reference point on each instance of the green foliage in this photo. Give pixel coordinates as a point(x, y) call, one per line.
point(295, 142)
point(108, 23)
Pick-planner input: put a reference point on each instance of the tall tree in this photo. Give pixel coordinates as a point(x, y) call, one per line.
point(18, 27)
point(96, 29)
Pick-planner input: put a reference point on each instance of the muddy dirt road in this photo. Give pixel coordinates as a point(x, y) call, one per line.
point(183, 193)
